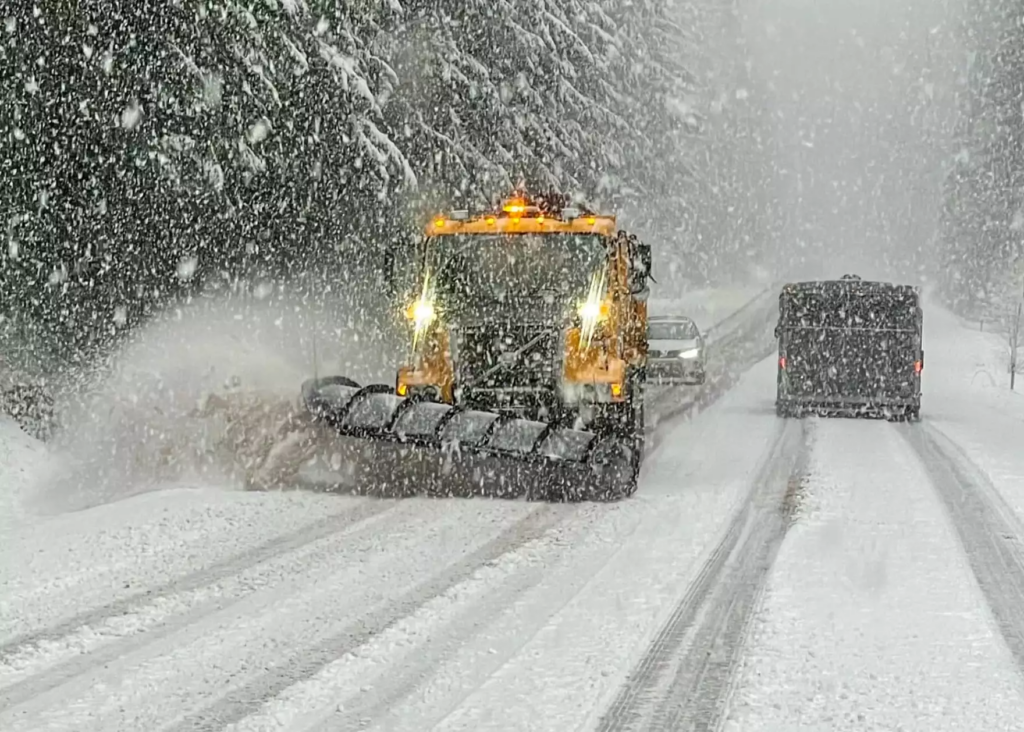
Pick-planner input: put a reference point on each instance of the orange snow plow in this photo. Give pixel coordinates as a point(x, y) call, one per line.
point(526, 365)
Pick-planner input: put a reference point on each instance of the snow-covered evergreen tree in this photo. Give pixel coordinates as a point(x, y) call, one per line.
point(983, 219)
point(733, 218)
point(155, 148)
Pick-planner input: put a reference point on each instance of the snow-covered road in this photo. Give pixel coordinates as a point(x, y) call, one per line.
point(873, 619)
point(895, 602)
point(769, 574)
point(199, 608)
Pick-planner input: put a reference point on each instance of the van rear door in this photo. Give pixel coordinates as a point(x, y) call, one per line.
point(862, 365)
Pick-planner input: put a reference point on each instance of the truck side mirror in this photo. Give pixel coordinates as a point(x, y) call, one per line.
point(644, 251)
point(639, 265)
point(390, 271)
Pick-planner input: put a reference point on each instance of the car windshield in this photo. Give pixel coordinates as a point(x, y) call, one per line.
point(677, 331)
point(475, 273)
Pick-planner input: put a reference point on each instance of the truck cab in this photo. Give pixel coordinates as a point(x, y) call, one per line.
point(536, 308)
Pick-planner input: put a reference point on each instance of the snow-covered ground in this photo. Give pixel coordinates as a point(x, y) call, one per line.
point(967, 397)
point(194, 608)
point(21, 459)
point(768, 575)
point(874, 618)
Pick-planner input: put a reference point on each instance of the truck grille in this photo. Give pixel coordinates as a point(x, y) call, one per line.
point(507, 356)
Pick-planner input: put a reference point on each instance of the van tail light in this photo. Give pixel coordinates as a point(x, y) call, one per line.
point(782, 362)
point(918, 367)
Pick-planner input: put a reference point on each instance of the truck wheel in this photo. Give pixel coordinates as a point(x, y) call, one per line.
point(639, 435)
point(618, 472)
point(627, 424)
point(637, 427)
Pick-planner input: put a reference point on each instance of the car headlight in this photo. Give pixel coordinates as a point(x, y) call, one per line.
point(692, 353)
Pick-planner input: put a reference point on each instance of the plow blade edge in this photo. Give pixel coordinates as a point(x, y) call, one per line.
point(406, 446)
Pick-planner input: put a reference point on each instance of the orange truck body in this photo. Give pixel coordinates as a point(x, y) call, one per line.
point(597, 359)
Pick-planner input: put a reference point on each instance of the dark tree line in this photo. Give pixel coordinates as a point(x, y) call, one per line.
point(151, 148)
point(982, 233)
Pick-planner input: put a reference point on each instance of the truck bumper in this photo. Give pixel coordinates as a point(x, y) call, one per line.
point(673, 371)
point(848, 406)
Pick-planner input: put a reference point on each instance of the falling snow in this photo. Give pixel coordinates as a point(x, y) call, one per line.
point(210, 207)
point(258, 131)
point(131, 115)
point(187, 268)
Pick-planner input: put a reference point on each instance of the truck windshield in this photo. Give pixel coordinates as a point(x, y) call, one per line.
point(861, 306)
point(472, 271)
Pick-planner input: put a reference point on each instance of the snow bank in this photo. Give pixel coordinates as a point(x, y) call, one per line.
point(962, 359)
point(21, 459)
point(966, 384)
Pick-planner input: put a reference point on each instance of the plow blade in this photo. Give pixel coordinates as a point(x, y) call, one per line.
point(403, 446)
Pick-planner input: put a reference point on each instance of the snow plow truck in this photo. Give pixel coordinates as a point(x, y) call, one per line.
point(526, 359)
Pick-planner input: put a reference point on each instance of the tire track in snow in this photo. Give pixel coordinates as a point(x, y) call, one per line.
point(362, 511)
point(291, 603)
point(86, 636)
point(989, 530)
point(683, 680)
point(471, 621)
point(507, 611)
point(246, 700)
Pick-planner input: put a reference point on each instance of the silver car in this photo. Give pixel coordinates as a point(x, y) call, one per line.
point(675, 351)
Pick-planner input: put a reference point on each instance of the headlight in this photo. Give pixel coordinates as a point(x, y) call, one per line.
point(420, 312)
point(592, 310)
point(592, 313)
point(692, 353)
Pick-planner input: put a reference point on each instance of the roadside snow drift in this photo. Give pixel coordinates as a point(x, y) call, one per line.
point(21, 461)
point(967, 397)
point(705, 307)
